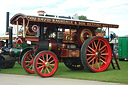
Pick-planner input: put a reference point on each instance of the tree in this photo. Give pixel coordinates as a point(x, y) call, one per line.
point(99, 30)
point(82, 17)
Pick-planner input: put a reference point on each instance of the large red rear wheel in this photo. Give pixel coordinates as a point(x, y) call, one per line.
point(27, 62)
point(45, 63)
point(96, 54)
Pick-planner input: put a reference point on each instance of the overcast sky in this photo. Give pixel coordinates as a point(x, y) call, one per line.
point(106, 11)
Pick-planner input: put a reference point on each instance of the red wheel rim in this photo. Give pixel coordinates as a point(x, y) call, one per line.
point(28, 62)
point(98, 54)
point(46, 64)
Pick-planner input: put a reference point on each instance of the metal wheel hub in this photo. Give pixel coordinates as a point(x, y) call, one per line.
point(97, 54)
point(47, 64)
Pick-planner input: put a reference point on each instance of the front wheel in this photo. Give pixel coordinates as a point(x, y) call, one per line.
point(45, 63)
point(27, 62)
point(96, 54)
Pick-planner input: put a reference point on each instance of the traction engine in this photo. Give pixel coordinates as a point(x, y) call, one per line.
point(43, 41)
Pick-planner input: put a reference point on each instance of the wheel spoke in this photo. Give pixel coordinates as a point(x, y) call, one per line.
point(103, 57)
point(47, 70)
point(28, 58)
point(28, 64)
point(49, 58)
point(40, 63)
point(50, 67)
point(41, 60)
point(51, 61)
point(46, 57)
point(104, 54)
point(42, 69)
point(91, 49)
point(27, 61)
point(90, 54)
point(31, 56)
point(95, 45)
point(102, 47)
point(52, 64)
point(92, 63)
point(100, 62)
point(30, 67)
point(103, 61)
point(95, 63)
point(98, 43)
point(103, 51)
point(91, 60)
point(98, 65)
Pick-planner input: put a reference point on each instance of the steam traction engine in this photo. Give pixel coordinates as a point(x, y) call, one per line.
point(42, 40)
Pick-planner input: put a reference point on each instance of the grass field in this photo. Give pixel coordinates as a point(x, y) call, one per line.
point(119, 76)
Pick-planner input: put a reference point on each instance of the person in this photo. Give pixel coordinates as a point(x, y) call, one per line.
point(111, 36)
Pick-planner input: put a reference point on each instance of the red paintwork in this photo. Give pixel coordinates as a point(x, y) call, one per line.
point(64, 53)
point(19, 41)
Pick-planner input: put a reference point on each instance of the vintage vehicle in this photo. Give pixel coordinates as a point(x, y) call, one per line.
point(43, 40)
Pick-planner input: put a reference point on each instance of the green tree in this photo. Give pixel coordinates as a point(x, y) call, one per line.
point(82, 17)
point(98, 30)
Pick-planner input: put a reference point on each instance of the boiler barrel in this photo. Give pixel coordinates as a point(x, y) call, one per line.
point(47, 45)
point(14, 52)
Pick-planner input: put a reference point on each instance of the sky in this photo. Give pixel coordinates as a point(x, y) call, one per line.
point(105, 11)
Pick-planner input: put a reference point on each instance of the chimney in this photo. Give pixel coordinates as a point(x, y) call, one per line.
point(41, 13)
point(7, 25)
point(10, 36)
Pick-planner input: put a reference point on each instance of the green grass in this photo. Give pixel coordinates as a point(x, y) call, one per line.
point(111, 75)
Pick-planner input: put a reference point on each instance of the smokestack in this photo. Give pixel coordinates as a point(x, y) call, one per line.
point(7, 21)
point(10, 36)
point(7, 25)
point(41, 13)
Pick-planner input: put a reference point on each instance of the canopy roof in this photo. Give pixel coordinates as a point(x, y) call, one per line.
point(62, 21)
